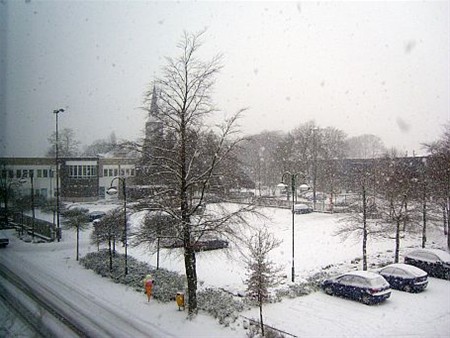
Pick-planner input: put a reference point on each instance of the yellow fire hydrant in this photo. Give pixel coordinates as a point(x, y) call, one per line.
point(180, 300)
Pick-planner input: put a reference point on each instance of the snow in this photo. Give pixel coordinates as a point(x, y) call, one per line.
point(442, 255)
point(408, 269)
point(426, 314)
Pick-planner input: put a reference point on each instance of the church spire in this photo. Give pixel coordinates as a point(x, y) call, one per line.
point(153, 104)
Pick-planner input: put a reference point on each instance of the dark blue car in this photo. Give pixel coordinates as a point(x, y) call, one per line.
point(405, 277)
point(363, 286)
point(434, 261)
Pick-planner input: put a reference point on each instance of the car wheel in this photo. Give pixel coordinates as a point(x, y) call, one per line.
point(407, 288)
point(329, 291)
point(366, 300)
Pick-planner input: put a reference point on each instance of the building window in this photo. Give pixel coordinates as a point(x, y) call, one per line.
point(45, 173)
point(82, 171)
point(31, 173)
point(116, 172)
point(24, 173)
point(18, 173)
point(110, 172)
point(132, 172)
point(44, 192)
point(105, 172)
point(39, 173)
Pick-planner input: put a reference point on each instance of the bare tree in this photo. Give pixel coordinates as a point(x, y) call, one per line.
point(365, 147)
point(396, 185)
point(67, 144)
point(76, 219)
point(361, 221)
point(189, 162)
point(108, 230)
point(439, 172)
point(102, 146)
point(262, 273)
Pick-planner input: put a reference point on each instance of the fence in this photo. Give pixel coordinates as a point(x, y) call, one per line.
point(42, 229)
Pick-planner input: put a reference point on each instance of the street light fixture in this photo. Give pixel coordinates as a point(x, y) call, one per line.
point(113, 191)
point(58, 229)
point(293, 180)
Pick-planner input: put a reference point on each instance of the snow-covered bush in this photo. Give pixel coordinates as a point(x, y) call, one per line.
point(220, 305)
point(167, 283)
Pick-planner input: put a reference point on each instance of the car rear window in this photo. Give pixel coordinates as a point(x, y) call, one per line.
point(378, 282)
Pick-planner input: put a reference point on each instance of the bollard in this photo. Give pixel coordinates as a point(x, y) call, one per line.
point(180, 300)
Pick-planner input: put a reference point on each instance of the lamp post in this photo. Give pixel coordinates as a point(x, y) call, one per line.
point(293, 180)
point(315, 130)
point(112, 191)
point(32, 203)
point(58, 229)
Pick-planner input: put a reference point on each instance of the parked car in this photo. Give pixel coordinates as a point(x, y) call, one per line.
point(4, 240)
point(93, 215)
point(320, 196)
point(364, 286)
point(204, 245)
point(405, 277)
point(302, 209)
point(434, 261)
point(212, 244)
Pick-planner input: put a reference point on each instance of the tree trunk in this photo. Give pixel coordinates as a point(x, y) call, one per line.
point(397, 240)
point(364, 242)
point(260, 301)
point(78, 241)
point(191, 274)
point(110, 256)
point(424, 226)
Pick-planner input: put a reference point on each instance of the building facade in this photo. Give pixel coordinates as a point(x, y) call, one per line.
point(81, 179)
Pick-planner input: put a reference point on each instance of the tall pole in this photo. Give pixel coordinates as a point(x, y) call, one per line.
point(112, 191)
point(293, 225)
point(58, 229)
point(125, 223)
point(315, 167)
point(32, 203)
point(284, 178)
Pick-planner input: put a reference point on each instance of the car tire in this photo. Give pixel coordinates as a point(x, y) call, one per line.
point(329, 291)
point(366, 299)
point(407, 288)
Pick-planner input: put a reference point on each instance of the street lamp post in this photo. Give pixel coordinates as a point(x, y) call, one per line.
point(112, 191)
point(32, 203)
point(293, 180)
point(58, 229)
point(315, 130)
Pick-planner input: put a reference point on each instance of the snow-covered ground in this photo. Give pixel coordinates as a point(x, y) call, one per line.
point(422, 315)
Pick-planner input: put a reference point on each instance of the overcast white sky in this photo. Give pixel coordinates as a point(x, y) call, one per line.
point(364, 67)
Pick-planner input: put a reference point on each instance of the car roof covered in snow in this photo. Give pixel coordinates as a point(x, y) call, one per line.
point(365, 274)
point(443, 255)
point(374, 279)
point(410, 269)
